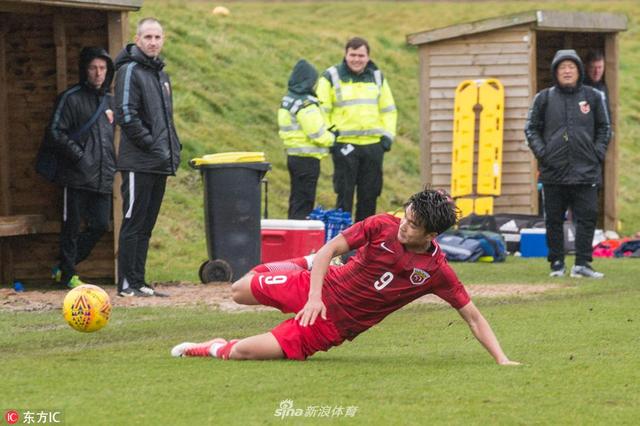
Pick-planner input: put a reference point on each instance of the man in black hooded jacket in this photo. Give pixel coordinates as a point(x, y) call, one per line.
point(568, 129)
point(149, 149)
point(87, 160)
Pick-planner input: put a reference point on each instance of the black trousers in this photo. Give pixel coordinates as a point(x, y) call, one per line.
point(583, 202)
point(142, 195)
point(75, 246)
point(304, 173)
point(359, 167)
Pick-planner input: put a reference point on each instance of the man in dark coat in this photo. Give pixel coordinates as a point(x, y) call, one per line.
point(149, 149)
point(594, 67)
point(82, 129)
point(568, 129)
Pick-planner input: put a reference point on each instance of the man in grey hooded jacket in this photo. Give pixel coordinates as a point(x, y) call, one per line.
point(568, 129)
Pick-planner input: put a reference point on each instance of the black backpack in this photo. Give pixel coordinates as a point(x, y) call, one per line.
point(47, 160)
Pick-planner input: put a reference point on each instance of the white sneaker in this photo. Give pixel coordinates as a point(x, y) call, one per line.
point(579, 271)
point(195, 349)
point(180, 349)
point(147, 290)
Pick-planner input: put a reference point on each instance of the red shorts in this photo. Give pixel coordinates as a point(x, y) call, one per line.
point(289, 292)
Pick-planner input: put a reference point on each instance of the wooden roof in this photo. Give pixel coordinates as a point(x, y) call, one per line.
point(85, 4)
point(550, 20)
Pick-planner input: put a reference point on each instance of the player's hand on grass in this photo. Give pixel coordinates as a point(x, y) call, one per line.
point(308, 314)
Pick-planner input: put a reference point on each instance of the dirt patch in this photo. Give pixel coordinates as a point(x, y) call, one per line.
point(219, 296)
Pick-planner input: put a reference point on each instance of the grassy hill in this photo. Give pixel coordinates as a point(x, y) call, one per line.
point(230, 73)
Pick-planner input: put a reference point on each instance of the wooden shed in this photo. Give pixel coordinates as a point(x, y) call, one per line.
point(40, 42)
point(516, 49)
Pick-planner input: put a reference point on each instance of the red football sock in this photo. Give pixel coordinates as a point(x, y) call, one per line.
point(223, 352)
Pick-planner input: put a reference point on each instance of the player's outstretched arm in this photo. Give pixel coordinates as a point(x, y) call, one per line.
point(483, 332)
point(314, 306)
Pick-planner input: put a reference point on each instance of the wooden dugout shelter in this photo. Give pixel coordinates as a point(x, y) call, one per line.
point(516, 49)
point(40, 41)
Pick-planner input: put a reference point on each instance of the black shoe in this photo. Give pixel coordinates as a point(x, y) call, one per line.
point(557, 269)
point(132, 292)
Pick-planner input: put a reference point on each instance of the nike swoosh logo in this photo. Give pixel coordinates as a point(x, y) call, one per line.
point(384, 247)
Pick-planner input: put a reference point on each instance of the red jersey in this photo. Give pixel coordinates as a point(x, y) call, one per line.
point(382, 277)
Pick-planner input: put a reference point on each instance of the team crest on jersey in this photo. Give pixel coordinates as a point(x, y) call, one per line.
point(418, 277)
point(584, 107)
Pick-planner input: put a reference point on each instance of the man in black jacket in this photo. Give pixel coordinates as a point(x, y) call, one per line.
point(82, 128)
point(149, 149)
point(568, 129)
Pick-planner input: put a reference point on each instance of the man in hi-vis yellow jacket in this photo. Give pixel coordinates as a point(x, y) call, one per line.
point(358, 102)
point(306, 137)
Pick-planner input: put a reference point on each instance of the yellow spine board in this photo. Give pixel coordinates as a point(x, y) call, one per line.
point(483, 205)
point(465, 205)
point(464, 121)
point(491, 97)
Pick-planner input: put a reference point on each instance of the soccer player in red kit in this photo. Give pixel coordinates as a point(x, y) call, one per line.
point(397, 261)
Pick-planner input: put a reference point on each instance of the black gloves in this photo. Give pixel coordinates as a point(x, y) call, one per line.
point(386, 143)
point(336, 133)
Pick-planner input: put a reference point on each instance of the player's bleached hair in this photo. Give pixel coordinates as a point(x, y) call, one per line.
point(148, 20)
point(434, 209)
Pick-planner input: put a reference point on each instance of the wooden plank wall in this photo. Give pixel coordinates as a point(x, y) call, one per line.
point(31, 90)
point(36, 44)
point(118, 26)
point(6, 260)
point(610, 211)
point(502, 54)
point(5, 201)
point(536, 195)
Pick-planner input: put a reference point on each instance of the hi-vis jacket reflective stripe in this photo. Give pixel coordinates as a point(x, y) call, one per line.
point(360, 106)
point(303, 128)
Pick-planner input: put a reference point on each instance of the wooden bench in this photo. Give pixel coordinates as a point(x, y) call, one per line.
point(12, 226)
point(21, 224)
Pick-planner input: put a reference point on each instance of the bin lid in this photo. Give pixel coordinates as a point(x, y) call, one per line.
point(229, 157)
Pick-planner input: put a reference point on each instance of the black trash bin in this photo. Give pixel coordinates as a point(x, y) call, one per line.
point(232, 195)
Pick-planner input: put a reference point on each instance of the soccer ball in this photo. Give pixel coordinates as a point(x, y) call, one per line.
point(220, 11)
point(87, 308)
